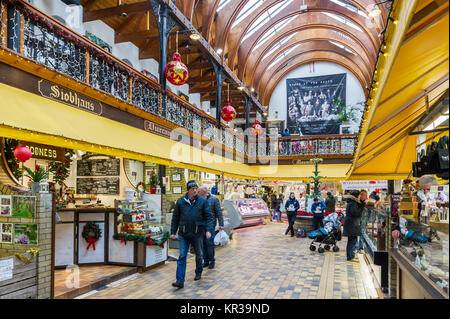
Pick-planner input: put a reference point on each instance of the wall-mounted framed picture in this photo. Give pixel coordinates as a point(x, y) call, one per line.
point(6, 233)
point(176, 177)
point(26, 234)
point(24, 206)
point(176, 190)
point(5, 205)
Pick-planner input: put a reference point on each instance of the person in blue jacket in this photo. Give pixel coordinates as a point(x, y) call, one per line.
point(193, 219)
point(317, 208)
point(292, 206)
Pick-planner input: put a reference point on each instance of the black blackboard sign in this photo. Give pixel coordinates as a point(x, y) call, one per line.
point(106, 185)
point(98, 167)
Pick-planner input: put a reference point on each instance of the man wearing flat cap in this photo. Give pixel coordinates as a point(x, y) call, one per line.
point(193, 219)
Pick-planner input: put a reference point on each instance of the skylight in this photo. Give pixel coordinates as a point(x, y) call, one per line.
point(272, 31)
point(342, 47)
point(266, 16)
point(343, 35)
point(251, 6)
point(278, 45)
point(282, 55)
point(222, 4)
point(343, 20)
point(349, 7)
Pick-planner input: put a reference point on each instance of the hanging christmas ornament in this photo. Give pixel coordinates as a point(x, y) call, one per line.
point(256, 129)
point(228, 112)
point(176, 72)
point(22, 153)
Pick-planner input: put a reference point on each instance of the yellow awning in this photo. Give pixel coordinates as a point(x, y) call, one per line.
point(29, 117)
point(386, 150)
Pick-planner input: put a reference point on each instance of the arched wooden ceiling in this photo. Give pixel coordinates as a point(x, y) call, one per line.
point(312, 29)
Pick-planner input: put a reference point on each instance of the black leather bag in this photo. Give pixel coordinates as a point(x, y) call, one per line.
point(431, 163)
point(419, 166)
point(441, 158)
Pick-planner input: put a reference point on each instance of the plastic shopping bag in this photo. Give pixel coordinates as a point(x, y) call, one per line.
point(221, 238)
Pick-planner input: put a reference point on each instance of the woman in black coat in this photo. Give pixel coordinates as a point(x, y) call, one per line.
point(352, 222)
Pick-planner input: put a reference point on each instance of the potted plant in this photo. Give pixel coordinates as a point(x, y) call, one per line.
point(35, 177)
point(345, 115)
point(154, 181)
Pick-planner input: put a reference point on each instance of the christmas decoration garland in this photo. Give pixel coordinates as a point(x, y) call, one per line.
point(61, 170)
point(91, 233)
point(146, 239)
point(13, 162)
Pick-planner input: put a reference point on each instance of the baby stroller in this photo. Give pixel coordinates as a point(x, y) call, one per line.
point(328, 235)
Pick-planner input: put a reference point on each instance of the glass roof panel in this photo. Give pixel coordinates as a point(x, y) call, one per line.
point(282, 55)
point(343, 20)
point(251, 6)
point(279, 26)
point(342, 47)
point(222, 4)
point(350, 7)
point(278, 45)
point(270, 13)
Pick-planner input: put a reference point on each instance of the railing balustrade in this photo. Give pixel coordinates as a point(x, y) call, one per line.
point(36, 36)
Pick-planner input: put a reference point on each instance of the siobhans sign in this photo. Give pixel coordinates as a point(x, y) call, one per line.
point(311, 110)
point(61, 94)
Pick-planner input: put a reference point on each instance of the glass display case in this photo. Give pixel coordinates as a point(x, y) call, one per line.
point(134, 217)
point(375, 225)
point(245, 212)
point(427, 248)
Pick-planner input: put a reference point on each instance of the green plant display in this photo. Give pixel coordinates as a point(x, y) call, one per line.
point(316, 178)
point(344, 113)
point(13, 163)
point(154, 180)
point(61, 170)
point(38, 175)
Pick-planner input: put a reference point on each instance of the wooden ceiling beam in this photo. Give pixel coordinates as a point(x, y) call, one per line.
point(128, 8)
point(136, 36)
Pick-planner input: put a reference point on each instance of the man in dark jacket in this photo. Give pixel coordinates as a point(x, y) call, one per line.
point(292, 206)
point(330, 202)
point(317, 208)
point(192, 218)
point(352, 223)
point(208, 243)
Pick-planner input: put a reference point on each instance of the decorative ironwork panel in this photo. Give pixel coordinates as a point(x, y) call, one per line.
point(195, 123)
point(49, 48)
point(176, 113)
point(107, 78)
point(240, 147)
point(251, 146)
point(145, 97)
point(229, 139)
point(328, 146)
point(347, 146)
point(262, 147)
point(211, 131)
point(273, 148)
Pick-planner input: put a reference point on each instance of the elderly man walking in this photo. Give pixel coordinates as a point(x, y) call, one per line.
point(208, 243)
point(193, 220)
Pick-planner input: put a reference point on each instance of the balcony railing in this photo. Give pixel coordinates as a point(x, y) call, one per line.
point(33, 35)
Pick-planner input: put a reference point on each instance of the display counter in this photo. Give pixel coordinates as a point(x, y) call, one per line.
point(245, 212)
point(130, 235)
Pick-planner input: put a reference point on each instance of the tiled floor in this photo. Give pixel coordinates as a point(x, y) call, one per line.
point(260, 262)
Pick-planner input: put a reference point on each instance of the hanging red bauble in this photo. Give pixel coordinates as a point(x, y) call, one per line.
point(256, 129)
point(228, 113)
point(176, 72)
point(22, 153)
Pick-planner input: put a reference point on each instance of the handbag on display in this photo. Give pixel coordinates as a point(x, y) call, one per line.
point(431, 158)
point(441, 158)
point(419, 166)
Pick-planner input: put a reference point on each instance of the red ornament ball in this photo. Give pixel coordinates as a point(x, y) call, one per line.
point(22, 153)
point(228, 113)
point(176, 72)
point(256, 129)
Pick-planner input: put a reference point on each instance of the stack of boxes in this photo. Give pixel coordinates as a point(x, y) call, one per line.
point(408, 206)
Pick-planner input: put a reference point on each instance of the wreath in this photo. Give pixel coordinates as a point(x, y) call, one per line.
point(91, 233)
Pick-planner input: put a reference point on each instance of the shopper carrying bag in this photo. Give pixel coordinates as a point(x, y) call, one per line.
point(292, 206)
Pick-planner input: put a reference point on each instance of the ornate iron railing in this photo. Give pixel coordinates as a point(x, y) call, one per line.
point(35, 36)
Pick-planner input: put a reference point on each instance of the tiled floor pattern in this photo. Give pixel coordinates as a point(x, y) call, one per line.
point(260, 262)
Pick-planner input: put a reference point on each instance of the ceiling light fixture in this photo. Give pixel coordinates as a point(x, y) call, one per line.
point(219, 51)
point(195, 36)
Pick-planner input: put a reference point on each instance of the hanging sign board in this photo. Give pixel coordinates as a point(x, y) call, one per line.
point(358, 185)
point(46, 152)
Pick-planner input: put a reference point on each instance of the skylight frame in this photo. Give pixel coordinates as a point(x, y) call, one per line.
point(251, 6)
point(279, 26)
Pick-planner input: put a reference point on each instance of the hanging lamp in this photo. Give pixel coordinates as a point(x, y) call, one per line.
point(228, 112)
point(176, 72)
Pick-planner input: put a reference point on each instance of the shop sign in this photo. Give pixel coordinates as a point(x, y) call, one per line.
point(69, 97)
point(156, 129)
point(358, 185)
point(47, 152)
